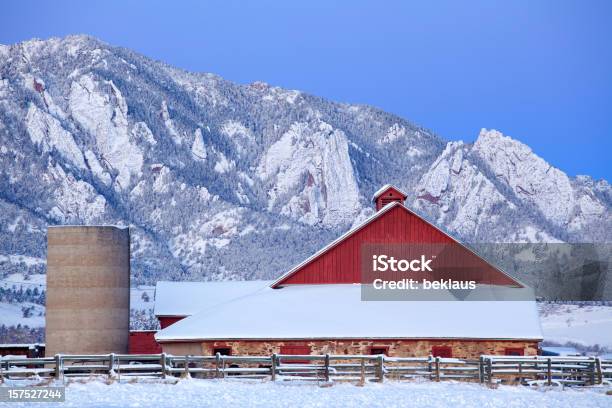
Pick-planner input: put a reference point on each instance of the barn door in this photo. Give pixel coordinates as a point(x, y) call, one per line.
point(295, 351)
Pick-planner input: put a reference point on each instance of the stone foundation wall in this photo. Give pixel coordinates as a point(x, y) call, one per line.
point(396, 348)
point(185, 349)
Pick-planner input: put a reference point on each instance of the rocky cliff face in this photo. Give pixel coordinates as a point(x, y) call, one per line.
point(227, 181)
point(476, 189)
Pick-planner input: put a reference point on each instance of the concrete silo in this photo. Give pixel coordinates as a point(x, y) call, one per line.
point(88, 290)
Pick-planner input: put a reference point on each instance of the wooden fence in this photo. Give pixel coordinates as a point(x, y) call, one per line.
point(327, 369)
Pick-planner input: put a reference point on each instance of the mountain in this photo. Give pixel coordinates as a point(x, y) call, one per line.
point(226, 181)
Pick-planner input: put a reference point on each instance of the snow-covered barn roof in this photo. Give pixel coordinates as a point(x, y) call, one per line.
point(21, 345)
point(187, 298)
point(337, 311)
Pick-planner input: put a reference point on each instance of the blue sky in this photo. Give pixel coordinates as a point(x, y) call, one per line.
point(539, 71)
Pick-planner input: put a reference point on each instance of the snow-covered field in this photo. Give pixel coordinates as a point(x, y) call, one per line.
point(136, 297)
point(12, 315)
point(224, 393)
point(19, 280)
point(584, 325)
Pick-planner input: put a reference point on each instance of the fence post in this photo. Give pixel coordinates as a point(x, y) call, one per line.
point(187, 375)
point(599, 372)
point(273, 368)
point(59, 370)
point(480, 370)
point(549, 370)
point(218, 362)
point(163, 364)
point(326, 367)
point(398, 371)
point(437, 369)
point(381, 367)
point(118, 368)
point(520, 370)
point(2, 371)
point(111, 364)
point(362, 380)
point(490, 370)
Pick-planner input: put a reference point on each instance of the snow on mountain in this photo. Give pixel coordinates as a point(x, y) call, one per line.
point(529, 176)
point(102, 111)
point(198, 149)
point(395, 132)
point(474, 189)
point(310, 173)
point(74, 199)
point(458, 195)
point(225, 181)
point(242, 137)
point(47, 132)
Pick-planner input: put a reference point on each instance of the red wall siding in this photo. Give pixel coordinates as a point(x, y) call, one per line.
point(342, 263)
point(165, 321)
point(143, 342)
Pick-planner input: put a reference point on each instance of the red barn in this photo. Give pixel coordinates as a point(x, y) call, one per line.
point(143, 342)
point(320, 305)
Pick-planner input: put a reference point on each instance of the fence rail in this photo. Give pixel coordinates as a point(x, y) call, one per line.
point(360, 369)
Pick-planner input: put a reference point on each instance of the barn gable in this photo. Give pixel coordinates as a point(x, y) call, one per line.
point(340, 261)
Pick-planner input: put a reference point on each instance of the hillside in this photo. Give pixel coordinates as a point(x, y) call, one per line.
point(226, 181)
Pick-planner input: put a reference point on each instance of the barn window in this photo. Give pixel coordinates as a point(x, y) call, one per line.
point(224, 351)
point(514, 351)
point(295, 351)
point(442, 351)
point(376, 350)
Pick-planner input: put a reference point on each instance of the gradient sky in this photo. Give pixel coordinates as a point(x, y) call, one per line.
point(539, 71)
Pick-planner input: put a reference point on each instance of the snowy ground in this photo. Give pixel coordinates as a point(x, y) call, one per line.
point(19, 280)
point(219, 393)
point(136, 300)
point(585, 325)
point(12, 315)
